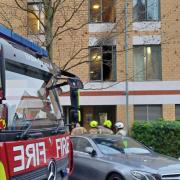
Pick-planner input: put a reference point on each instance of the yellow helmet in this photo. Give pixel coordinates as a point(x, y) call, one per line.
point(107, 123)
point(93, 123)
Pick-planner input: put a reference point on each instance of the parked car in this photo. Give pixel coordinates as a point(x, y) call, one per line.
point(113, 157)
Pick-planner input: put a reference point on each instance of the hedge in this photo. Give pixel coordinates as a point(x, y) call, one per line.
point(162, 136)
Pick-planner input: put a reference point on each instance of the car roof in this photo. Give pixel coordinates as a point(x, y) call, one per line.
point(92, 136)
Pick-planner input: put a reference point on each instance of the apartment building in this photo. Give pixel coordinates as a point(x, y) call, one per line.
point(153, 61)
point(95, 50)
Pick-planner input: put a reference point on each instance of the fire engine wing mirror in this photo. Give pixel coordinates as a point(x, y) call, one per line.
point(75, 83)
point(57, 87)
point(3, 116)
point(75, 115)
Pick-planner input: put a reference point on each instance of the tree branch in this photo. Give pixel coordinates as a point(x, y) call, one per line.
point(30, 11)
point(69, 19)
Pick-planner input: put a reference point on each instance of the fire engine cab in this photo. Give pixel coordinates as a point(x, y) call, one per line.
point(34, 142)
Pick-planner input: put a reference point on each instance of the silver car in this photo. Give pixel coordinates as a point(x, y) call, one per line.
point(112, 157)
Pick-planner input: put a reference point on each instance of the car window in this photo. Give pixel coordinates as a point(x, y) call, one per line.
point(122, 145)
point(107, 150)
point(74, 141)
point(82, 144)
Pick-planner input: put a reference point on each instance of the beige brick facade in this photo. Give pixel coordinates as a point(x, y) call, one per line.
point(121, 114)
point(169, 111)
point(71, 42)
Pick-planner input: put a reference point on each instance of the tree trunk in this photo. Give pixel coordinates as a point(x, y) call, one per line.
point(48, 24)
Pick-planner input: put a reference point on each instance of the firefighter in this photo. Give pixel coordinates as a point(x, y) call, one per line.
point(119, 129)
point(94, 127)
point(78, 130)
point(106, 128)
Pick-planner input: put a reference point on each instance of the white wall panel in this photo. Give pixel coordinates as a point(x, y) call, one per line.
point(145, 40)
point(102, 27)
point(146, 26)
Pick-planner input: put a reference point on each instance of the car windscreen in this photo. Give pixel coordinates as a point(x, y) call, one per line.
point(110, 145)
point(29, 102)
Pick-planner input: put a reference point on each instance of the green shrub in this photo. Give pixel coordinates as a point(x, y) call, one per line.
point(162, 136)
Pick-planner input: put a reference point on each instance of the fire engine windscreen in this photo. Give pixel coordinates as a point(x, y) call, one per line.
point(0, 71)
point(29, 101)
point(0, 81)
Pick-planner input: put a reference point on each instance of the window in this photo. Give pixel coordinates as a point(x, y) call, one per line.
point(114, 145)
point(80, 144)
point(147, 63)
point(103, 63)
point(147, 112)
point(102, 11)
point(29, 103)
point(1, 70)
point(177, 106)
point(74, 141)
point(146, 10)
point(0, 73)
point(34, 25)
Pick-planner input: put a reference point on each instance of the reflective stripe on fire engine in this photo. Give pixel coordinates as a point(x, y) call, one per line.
point(2, 172)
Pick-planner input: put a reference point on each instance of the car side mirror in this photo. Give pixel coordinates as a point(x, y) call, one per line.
point(151, 148)
point(90, 151)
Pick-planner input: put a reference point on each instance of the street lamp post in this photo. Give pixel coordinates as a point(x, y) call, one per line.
point(126, 64)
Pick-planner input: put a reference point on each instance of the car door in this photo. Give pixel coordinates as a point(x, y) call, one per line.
point(86, 167)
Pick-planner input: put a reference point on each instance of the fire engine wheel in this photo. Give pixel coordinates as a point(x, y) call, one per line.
point(115, 176)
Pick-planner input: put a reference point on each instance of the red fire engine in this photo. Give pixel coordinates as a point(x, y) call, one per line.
point(34, 143)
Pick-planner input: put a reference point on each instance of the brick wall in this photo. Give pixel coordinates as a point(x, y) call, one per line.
point(170, 34)
point(69, 43)
point(12, 17)
point(121, 114)
point(72, 42)
point(169, 111)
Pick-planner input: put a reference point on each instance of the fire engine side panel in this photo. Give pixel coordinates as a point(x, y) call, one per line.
point(3, 160)
point(19, 56)
point(29, 155)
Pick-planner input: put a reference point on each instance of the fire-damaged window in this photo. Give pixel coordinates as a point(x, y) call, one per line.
point(146, 10)
point(35, 16)
point(103, 63)
point(102, 11)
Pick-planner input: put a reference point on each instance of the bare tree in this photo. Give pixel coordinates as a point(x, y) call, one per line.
point(56, 19)
point(57, 23)
point(49, 10)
